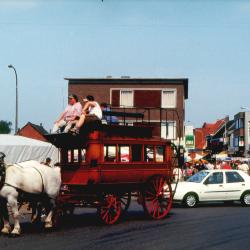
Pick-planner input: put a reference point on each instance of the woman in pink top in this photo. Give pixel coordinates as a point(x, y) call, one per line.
point(70, 115)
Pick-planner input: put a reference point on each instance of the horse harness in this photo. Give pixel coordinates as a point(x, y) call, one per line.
point(3, 175)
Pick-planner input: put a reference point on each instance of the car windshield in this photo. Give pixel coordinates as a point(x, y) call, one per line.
point(198, 177)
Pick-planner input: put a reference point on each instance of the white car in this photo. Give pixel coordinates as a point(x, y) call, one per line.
point(213, 185)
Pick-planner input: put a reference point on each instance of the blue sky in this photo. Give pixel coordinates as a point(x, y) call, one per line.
point(207, 42)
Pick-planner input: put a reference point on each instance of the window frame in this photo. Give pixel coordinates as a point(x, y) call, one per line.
point(175, 97)
point(120, 101)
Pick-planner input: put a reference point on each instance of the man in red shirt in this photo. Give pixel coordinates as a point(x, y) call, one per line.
point(225, 165)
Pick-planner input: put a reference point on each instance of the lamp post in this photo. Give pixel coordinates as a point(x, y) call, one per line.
point(16, 118)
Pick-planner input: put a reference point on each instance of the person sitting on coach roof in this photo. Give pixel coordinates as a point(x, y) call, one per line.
point(90, 112)
point(71, 113)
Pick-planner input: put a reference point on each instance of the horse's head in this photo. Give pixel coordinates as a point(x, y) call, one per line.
point(2, 156)
point(2, 166)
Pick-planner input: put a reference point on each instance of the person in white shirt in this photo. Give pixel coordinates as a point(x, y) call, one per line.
point(71, 114)
point(210, 166)
point(90, 112)
point(178, 174)
point(244, 167)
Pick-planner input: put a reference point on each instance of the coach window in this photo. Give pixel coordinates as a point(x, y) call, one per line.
point(149, 153)
point(124, 153)
point(83, 154)
point(76, 155)
point(69, 156)
point(136, 152)
point(159, 154)
point(110, 153)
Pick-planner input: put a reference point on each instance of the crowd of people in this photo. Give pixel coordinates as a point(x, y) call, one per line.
point(191, 168)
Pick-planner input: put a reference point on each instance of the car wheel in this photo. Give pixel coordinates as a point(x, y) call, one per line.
point(190, 200)
point(245, 199)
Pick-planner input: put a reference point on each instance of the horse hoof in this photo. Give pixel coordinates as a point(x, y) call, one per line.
point(48, 225)
point(6, 230)
point(15, 233)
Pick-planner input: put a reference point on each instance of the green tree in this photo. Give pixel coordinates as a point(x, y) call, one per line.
point(5, 127)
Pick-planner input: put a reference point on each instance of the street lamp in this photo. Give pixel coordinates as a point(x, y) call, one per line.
point(16, 120)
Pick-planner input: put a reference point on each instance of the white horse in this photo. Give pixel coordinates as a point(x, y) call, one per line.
point(27, 177)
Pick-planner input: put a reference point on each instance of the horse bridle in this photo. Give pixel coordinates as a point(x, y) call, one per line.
point(2, 169)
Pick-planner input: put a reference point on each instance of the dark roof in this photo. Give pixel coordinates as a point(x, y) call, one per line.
point(39, 128)
point(221, 130)
point(128, 80)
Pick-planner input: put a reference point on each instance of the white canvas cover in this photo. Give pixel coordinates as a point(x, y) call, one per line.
point(18, 148)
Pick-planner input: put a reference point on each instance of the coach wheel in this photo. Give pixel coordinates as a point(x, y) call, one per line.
point(110, 209)
point(125, 199)
point(157, 197)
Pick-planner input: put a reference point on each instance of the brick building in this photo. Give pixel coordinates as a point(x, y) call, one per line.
point(162, 100)
point(33, 131)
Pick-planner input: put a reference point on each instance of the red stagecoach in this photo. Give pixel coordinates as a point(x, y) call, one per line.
point(106, 164)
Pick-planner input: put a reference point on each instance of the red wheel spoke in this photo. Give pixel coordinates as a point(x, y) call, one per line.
point(157, 197)
point(111, 209)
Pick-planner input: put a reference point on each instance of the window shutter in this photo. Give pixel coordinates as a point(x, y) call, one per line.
point(115, 100)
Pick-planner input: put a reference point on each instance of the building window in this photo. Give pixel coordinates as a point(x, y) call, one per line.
point(126, 98)
point(168, 98)
point(236, 141)
point(168, 130)
point(239, 123)
point(241, 141)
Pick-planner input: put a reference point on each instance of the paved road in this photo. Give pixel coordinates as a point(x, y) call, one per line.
point(205, 227)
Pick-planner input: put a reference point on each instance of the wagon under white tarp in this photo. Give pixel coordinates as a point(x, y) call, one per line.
point(18, 148)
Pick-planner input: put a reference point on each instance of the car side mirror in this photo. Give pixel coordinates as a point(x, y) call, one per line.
point(205, 182)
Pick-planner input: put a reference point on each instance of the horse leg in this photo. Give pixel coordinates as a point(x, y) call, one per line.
point(48, 220)
point(36, 208)
point(12, 200)
point(4, 216)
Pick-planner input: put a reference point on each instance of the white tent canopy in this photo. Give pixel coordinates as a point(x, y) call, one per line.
point(19, 148)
